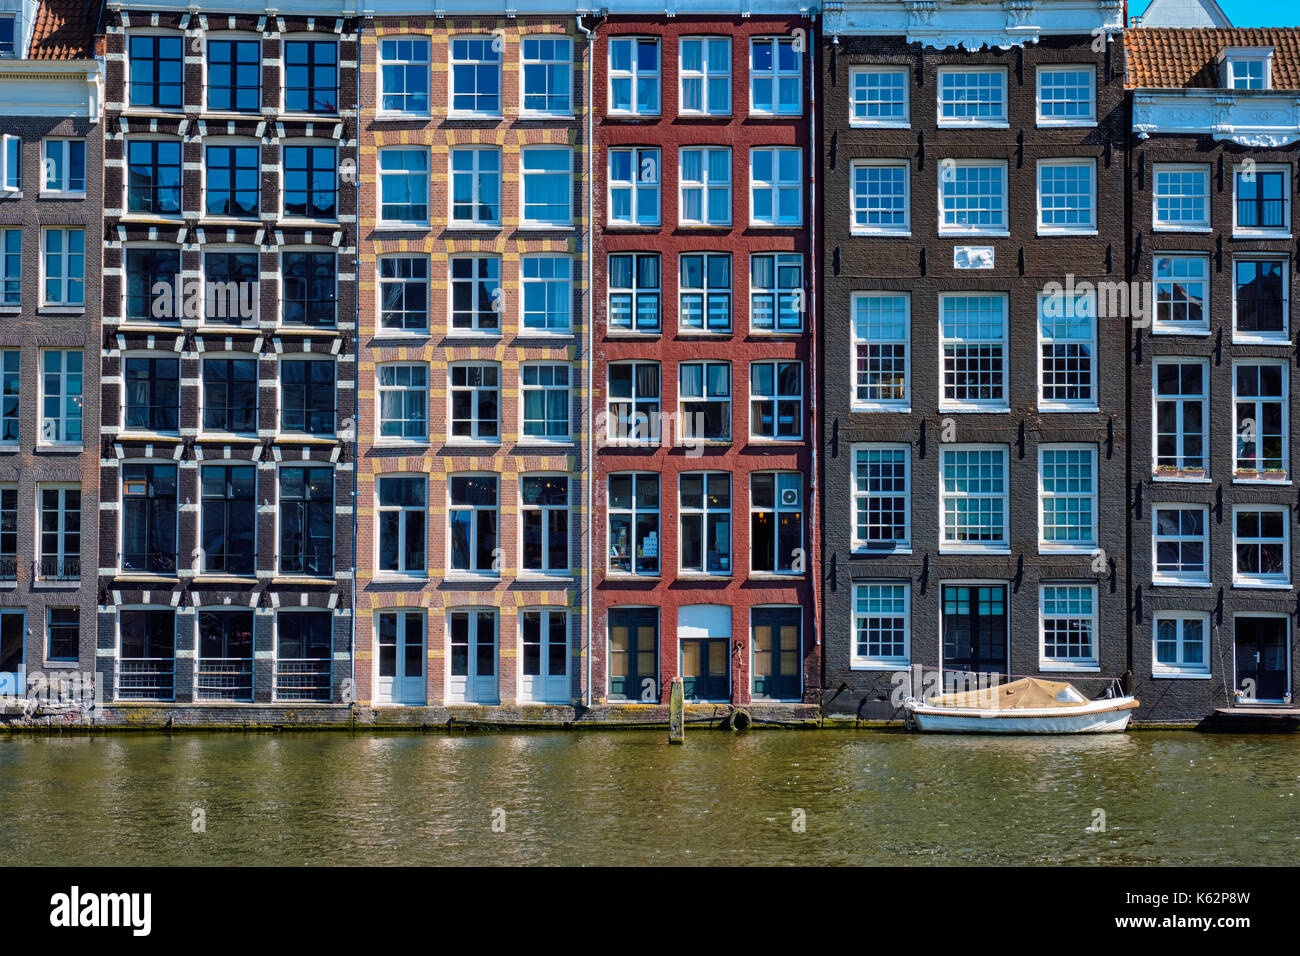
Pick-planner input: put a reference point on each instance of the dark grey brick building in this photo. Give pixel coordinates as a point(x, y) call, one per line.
point(1213, 500)
point(228, 438)
point(973, 446)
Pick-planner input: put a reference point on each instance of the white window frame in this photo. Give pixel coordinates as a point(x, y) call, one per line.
point(1088, 664)
point(563, 42)
point(567, 389)
point(1182, 579)
point(780, 260)
point(381, 62)
point(634, 512)
point(1263, 338)
point(1181, 669)
point(1084, 546)
point(64, 145)
point(1062, 68)
point(978, 404)
point(704, 292)
point(775, 75)
point(476, 393)
point(475, 329)
point(381, 390)
point(948, 175)
point(857, 321)
point(526, 281)
point(777, 185)
point(857, 197)
point(861, 495)
point(402, 511)
point(1263, 232)
point(11, 276)
point(61, 554)
point(646, 172)
point(382, 175)
point(955, 546)
point(65, 257)
point(1180, 170)
point(525, 153)
point(705, 185)
point(494, 45)
point(1204, 365)
point(1071, 315)
point(862, 662)
point(775, 399)
point(635, 292)
point(1000, 122)
point(477, 174)
point(708, 71)
point(687, 403)
point(634, 75)
point(1242, 579)
point(546, 510)
point(380, 281)
point(1055, 229)
point(856, 101)
point(1256, 401)
point(637, 403)
point(1230, 57)
point(704, 512)
point(11, 164)
point(474, 572)
point(64, 395)
point(1179, 327)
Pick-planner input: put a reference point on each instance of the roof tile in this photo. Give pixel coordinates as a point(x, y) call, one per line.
point(65, 30)
point(1167, 58)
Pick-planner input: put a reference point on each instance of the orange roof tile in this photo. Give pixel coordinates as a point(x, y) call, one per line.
point(1166, 58)
point(65, 30)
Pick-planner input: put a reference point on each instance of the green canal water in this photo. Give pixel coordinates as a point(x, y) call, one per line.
point(630, 798)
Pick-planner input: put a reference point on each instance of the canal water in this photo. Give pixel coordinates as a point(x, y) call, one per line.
point(629, 798)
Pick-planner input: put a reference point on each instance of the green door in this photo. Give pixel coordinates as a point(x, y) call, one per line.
point(705, 671)
point(777, 653)
point(634, 654)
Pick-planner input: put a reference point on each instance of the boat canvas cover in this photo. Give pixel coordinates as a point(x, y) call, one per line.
point(1024, 694)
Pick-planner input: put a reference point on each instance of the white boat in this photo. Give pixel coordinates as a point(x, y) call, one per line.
point(1025, 706)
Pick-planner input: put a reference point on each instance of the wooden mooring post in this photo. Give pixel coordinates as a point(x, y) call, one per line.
point(677, 712)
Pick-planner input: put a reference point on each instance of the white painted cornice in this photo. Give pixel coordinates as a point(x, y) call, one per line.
point(52, 88)
point(1259, 118)
point(972, 24)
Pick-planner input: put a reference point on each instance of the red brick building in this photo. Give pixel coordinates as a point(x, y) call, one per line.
point(703, 360)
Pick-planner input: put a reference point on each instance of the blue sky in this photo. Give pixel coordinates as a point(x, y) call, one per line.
point(1247, 13)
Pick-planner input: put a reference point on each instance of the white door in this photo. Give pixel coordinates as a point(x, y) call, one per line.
point(544, 640)
point(13, 654)
point(399, 674)
point(473, 640)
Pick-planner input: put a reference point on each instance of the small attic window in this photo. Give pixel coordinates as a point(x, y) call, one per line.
point(6, 36)
point(1247, 68)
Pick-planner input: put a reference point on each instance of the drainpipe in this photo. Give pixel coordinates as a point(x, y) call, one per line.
point(590, 319)
point(356, 367)
point(814, 269)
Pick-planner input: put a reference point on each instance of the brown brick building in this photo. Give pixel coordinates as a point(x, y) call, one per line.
point(1213, 415)
point(973, 438)
point(51, 189)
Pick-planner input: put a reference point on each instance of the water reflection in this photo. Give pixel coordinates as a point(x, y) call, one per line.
point(628, 798)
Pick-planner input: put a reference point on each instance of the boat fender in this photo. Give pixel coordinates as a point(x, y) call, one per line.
point(739, 719)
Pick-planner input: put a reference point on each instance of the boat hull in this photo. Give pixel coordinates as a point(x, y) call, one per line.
point(1110, 719)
